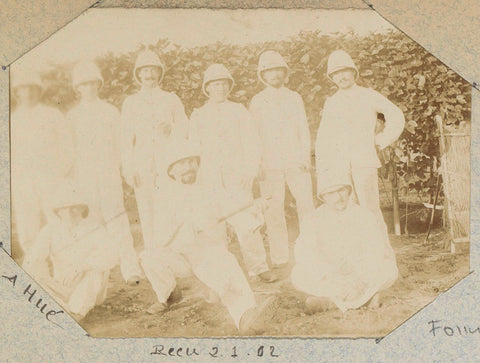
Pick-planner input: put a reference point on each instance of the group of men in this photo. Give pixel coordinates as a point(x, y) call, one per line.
point(194, 176)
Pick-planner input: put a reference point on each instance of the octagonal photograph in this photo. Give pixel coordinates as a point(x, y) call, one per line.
point(200, 173)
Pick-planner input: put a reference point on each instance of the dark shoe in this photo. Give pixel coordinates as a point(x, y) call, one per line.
point(315, 305)
point(157, 308)
point(175, 296)
point(249, 323)
point(374, 302)
point(268, 276)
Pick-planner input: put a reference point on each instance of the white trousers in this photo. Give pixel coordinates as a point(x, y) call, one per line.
point(106, 206)
point(90, 291)
point(211, 263)
point(300, 184)
point(246, 225)
point(144, 195)
point(365, 183)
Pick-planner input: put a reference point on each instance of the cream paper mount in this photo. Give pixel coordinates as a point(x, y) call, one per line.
point(446, 328)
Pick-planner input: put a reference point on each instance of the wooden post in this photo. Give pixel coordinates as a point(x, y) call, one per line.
point(396, 209)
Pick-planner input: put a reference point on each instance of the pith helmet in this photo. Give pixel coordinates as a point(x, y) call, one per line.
point(148, 58)
point(26, 78)
point(67, 195)
point(268, 60)
point(214, 73)
point(339, 59)
point(179, 150)
point(86, 72)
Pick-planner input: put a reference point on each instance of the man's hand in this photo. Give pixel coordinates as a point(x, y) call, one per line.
point(71, 277)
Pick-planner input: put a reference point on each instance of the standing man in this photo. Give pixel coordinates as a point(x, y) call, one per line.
point(42, 152)
point(96, 126)
point(285, 139)
point(230, 151)
point(347, 130)
point(149, 117)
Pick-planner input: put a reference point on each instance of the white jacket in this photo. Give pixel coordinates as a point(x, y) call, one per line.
point(72, 252)
point(283, 127)
point(347, 128)
point(143, 139)
point(96, 128)
point(229, 142)
point(41, 144)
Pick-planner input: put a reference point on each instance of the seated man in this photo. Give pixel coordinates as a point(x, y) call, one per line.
point(72, 255)
point(197, 243)
point(343, 257)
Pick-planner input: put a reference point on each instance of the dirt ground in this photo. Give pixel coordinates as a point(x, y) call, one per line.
point(425, 272)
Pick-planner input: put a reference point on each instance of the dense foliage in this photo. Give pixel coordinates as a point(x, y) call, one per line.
point(391, 63)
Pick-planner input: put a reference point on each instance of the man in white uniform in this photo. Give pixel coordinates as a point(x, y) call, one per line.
point(149, 118)
point(347, 130)
point(285, 139)
point(96, 126)
point(343, 256)
point(42, 152)
point(230, 153)
point(197, 243)
point(80, 251)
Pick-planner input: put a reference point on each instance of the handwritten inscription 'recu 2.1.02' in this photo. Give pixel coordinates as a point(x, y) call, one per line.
point(215, 352)
point(31, 296)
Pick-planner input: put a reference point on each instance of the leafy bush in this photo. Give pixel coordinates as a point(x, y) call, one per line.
point(390, 63)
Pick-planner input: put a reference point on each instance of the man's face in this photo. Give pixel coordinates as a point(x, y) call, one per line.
point(185, 170)
point(28, 95)
point(89, 90)
point(344, 78)
point(218, 90)
point(275, 77)
point(338, 199)
point(149, 76)
point(71, 215)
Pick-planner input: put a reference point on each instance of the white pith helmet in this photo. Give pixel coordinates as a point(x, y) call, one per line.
point(338, 60)
point(148, 58)
point(86, 71)
point(268, 60)
point(179, 150)
point(67, 195)
point(214, 73)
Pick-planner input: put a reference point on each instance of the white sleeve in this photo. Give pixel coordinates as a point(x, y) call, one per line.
point(394, 120)
point(303, 131)
point(127, 139)
point(250, 143)
point(180, 119)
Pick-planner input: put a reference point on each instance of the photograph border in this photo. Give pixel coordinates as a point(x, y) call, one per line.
point(29, 331)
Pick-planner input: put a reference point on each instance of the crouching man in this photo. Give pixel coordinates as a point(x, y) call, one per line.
point(73, 255)
point(343, 257)
point(197, 243)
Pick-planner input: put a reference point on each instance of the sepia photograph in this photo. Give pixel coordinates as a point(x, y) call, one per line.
point(206, 173)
